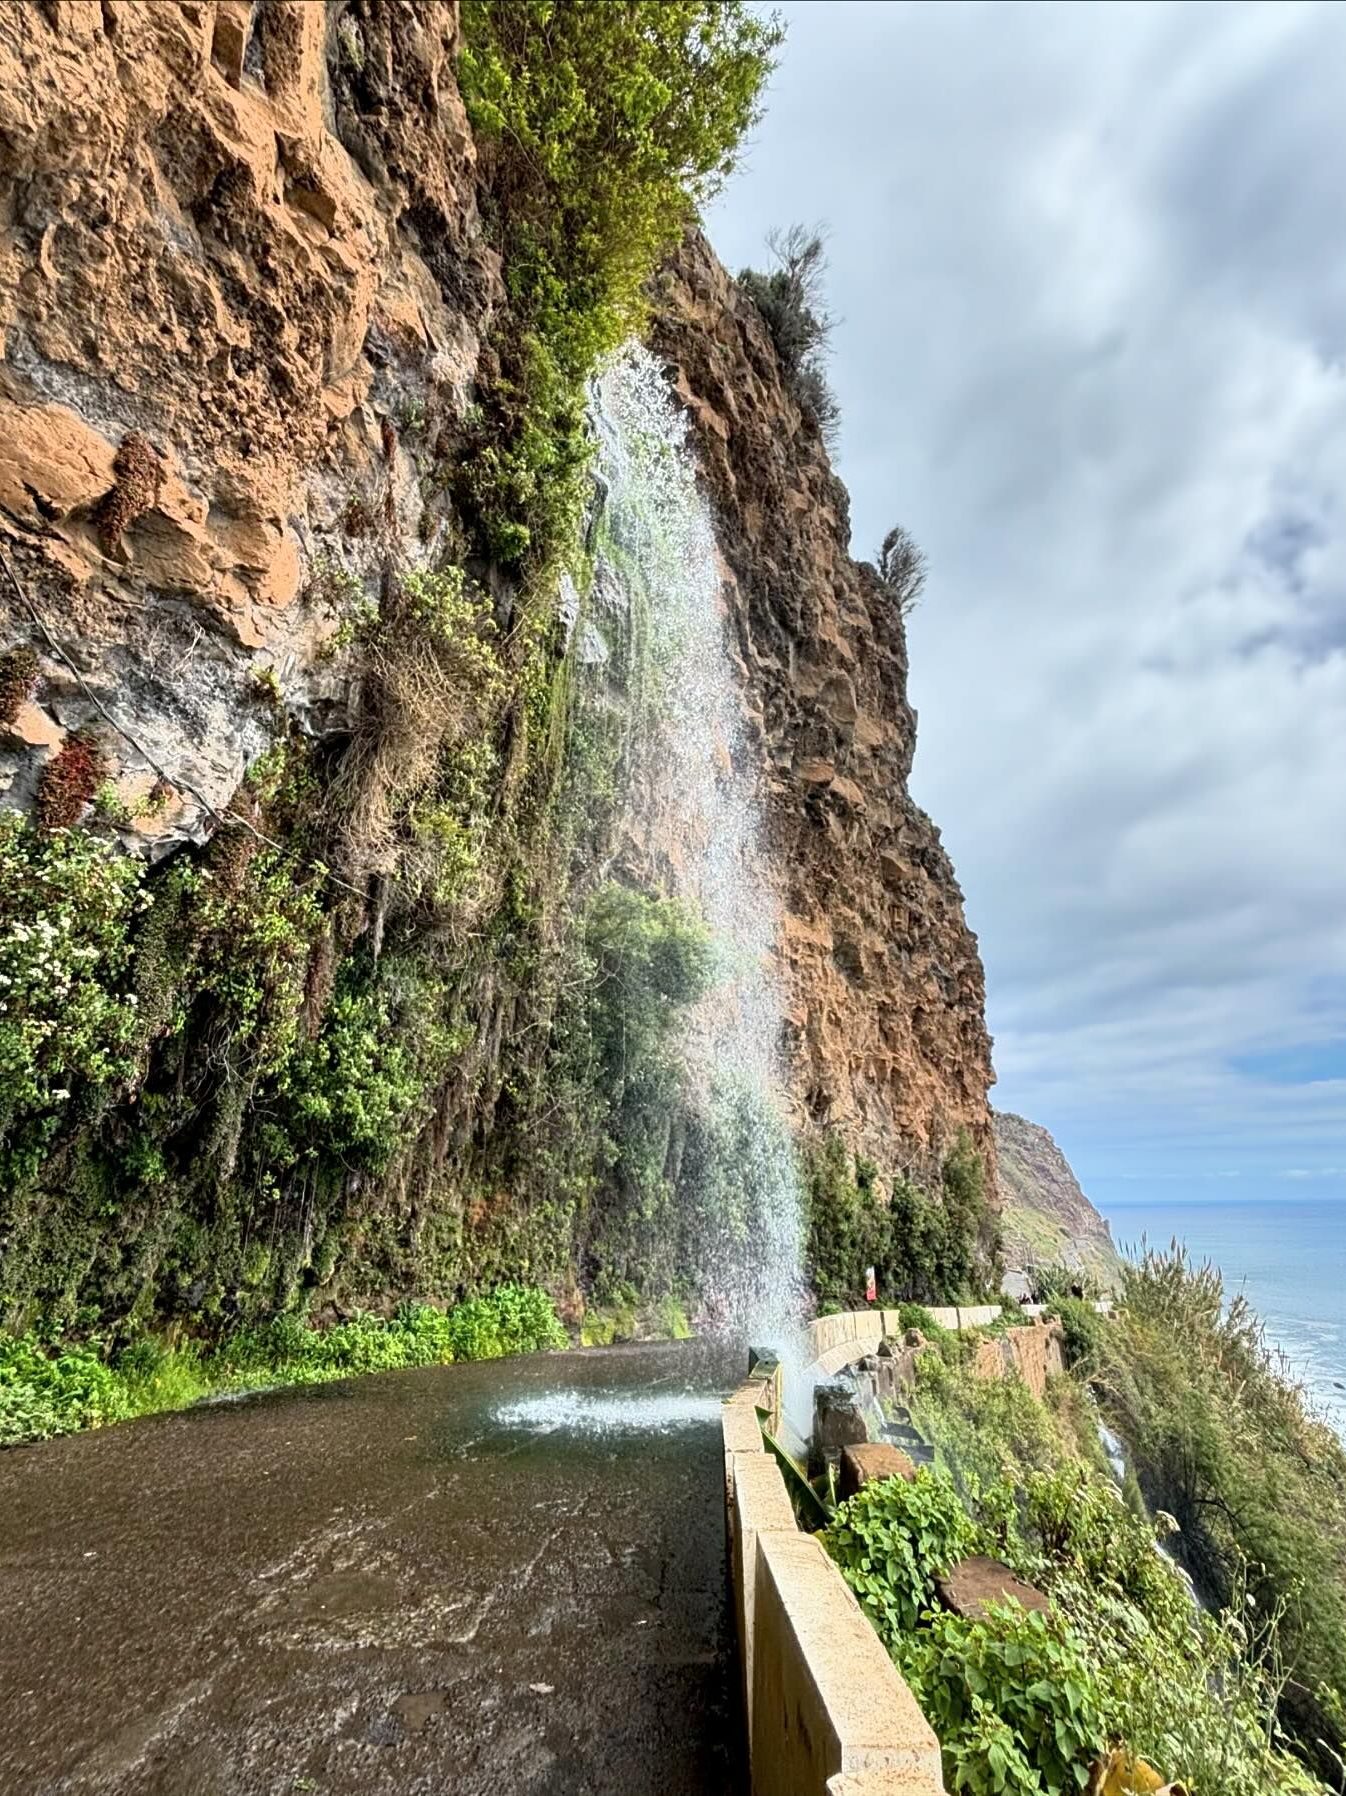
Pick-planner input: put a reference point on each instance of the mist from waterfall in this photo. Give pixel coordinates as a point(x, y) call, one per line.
point(696, 767)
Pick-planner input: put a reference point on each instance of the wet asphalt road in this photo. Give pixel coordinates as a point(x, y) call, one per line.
point(381, 1587)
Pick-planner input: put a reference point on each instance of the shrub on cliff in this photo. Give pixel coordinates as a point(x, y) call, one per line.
point(602, 128)
point(67, 1019)
point(928, 1247)
point(790, 300)
point(1026, 1702)
point(1220, 1437)
point(901, 568)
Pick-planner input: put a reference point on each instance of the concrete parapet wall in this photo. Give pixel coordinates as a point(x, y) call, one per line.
point(823, 1700)
point(835, 1342)
point(828, 1702)
point(760, 1504)
point(828, 1713)
point(756, 1403)
point(956, 1316)
point(741, 1426)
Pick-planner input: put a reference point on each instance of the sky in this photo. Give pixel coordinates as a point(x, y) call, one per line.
point(1089, 269)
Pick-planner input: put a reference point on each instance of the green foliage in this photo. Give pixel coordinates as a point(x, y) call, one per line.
point(648, 958)
point(1054, 1283)
point(652, 955)
point(185, 1050)
point(734, 1155)
point(1085, 1331)
point(67, 1015)
point(972, 1231)
point(1014, 1699)
point(1025, 1702)
point(604, 126)
point(44, 1391)
point(598, 1329)
point(670, 1320)
point(513, 1319)
point(1222, 1440)
point(790, 300)
point(992, 1429)
point(256, 917)
point(916, 1315)
point(923, 1247)
point(893, 1539)
point(354, 1091)
point(452, 614)
point(665, 1320)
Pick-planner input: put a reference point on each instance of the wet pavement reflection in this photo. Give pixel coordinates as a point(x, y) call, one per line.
point(503, 1577)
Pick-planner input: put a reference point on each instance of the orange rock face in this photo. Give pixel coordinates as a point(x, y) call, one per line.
point(214, 308)
point(886, 989)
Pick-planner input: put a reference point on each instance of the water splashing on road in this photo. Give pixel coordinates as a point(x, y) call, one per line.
point(575, 1412)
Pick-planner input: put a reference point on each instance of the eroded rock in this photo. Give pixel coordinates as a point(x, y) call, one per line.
point(869, 1461)
point(975, 1582)
point(216, 302)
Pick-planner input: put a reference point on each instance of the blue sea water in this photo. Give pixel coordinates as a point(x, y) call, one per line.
point(1289, 1260)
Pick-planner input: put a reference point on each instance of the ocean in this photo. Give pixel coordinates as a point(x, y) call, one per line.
point(1288, 1258)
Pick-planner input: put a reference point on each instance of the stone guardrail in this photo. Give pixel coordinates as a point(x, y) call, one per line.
point(827, 1711)
point(835, 1342)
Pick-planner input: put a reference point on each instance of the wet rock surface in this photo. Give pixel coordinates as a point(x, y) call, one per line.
point(838, 1421)
point(504, 1577)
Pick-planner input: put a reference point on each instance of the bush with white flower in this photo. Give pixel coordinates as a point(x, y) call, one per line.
point(66, 1017)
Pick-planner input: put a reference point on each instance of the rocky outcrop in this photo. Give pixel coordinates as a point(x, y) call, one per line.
point(870, 1462)
point(1032, 1354)
point(888, 1034)
point(972, 1585)
point(225, 314)
point(1046, 1219)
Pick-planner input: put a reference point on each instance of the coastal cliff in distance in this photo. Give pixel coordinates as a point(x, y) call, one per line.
point(1046, 1220)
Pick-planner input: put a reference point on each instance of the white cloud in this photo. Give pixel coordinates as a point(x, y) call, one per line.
point(1090, 265)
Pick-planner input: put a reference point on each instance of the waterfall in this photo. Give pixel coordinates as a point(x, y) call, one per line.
point(695, 779)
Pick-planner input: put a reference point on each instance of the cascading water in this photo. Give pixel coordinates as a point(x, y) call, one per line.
point(696, 773)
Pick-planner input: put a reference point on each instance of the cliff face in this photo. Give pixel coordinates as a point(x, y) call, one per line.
point(248, 311)
point(1045, 1217)
point(888, 1035)
point(240, 269)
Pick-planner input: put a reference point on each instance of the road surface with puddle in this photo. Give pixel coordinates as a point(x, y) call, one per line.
point(503, 1578)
